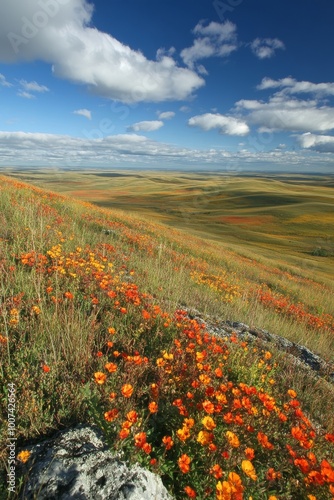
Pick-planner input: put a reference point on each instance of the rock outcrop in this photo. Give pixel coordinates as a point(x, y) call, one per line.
point(77, 464)
point(299, 353)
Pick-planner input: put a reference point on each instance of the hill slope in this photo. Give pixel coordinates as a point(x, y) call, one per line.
point(95, 326)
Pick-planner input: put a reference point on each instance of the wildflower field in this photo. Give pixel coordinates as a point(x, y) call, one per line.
point(95, 326)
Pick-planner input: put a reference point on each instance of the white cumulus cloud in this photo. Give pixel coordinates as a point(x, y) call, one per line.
point(215, 39)
point(291, 86)
point(59, 32)
point(289, 114)
point(146, 126)
point(321, 143)
point(83, 112)
point(166, 115)
point(225, 124)
point(265, 48)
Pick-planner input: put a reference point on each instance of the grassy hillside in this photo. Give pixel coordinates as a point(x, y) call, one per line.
point(267, 216)
point(94, 327)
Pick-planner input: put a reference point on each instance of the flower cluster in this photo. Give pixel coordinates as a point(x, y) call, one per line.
point(195, 417)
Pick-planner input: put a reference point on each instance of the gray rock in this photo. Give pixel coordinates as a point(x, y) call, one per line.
point(77, 464)
point(299, 353)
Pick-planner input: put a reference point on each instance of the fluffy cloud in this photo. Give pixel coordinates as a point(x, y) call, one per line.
point(321, 143)
point(225, 124)
point(215, 39)
point(137, 151)
point(166, 115)
point(59, 32)
point(265, 48)
point(291, 86)
point(83, 112)
point(282, 113)
point(146, 126)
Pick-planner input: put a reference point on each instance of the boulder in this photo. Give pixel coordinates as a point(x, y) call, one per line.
point(77, 464)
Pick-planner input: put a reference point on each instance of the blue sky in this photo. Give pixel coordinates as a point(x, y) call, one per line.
point(186, 84)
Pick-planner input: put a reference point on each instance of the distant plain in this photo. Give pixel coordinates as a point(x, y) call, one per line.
point(286, 219)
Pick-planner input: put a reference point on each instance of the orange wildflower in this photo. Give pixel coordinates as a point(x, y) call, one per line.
point(327, 471)
point(216, 471)
point(111, 367)
point(153, 407)
point(127, 390)
point(208, 406)
point(329, 437)
point(228, 417)
point(292, 393)
point(23, 456)
point(147, 448)
point(272, 474)
point(264, 441)
point(303, 465)
point(100, 377)
point(111, 415)
point(184, 463)
point(190, 492)
point(132, 416)
point(145, 314)
point(189, 422)
point(231, 489)
point(140, 439)
point(168, 442)
point(250, 454)
point(124, 433)
point(46, 368)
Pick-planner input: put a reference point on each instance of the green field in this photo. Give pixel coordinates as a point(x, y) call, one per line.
point(283, 219)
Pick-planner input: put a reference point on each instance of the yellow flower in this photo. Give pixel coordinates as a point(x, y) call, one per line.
point(204, 437)
point(248, 469)
point(23, 456)
point(292, 393)
point(183, 434)
point(208, 423)
point(232, 439)
point(100, 377)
